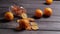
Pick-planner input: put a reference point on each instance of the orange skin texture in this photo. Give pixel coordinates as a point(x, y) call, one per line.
point(49, 1)
point(38, 13)
point(9, 16)
point(48, 11)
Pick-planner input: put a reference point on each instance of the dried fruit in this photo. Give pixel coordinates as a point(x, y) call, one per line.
point(27, 24)
point(17, 11)
point(23, 15)
point(24, 23)
point(18, 21)
point(31, 19)
point(34, 26)
point(15, 8)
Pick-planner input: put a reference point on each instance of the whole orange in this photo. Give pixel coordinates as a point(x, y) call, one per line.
point(9, 16)
point(49, 1)
point(38, 13)
point(47, 11)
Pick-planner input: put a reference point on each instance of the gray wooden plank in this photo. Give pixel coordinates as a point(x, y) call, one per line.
point(32, 7)
point(43, 25)
point(56, 10)
point(9, 31)
point(23, 3)
point(51, 23)
point(38, 2)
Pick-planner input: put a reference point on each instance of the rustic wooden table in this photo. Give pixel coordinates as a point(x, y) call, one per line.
point(49, 25)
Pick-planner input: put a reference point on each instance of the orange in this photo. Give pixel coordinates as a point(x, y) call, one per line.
point(48, 11)
point(9, 16)
point(38, 13)
point(49, 1)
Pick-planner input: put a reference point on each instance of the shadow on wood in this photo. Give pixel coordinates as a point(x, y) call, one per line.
point(3, 20)
point(44, 16)
point(36, 17)
point(46, 4)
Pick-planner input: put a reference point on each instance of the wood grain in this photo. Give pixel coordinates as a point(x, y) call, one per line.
point(49, 25)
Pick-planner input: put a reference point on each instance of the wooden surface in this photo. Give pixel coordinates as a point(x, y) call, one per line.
point(49, 25)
